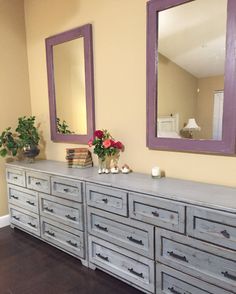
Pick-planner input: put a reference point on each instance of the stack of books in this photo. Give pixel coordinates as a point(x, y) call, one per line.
point(79, 157)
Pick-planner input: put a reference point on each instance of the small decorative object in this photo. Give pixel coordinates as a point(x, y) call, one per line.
point(79, 157)
point(126, 169)
point(24, 141)
point(115, 169)
point(156, 172)
point(192, 127)
point(106, 148)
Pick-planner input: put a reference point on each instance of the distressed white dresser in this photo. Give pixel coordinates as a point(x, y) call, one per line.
point(161, 236)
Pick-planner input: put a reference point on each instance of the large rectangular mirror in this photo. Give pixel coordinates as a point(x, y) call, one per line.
point(191, 95)
point(70, 83)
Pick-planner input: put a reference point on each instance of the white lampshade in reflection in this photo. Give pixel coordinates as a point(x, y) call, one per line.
point(192, 125)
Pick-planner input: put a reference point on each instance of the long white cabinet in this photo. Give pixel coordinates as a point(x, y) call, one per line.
point(161, 236)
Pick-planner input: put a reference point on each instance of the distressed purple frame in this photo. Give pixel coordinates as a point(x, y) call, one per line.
point(86, 32)
point(228, 142)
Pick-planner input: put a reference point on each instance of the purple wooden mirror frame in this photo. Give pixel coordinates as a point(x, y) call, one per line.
point(85, 32)
point(228, 142)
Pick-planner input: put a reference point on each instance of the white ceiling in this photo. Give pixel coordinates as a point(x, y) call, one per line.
point(193, 35)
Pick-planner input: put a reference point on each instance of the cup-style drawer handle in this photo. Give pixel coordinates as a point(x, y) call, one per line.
point(50, 233)
point(132, 271)
point(172, 290)
point(49, 209)
point(72, 243)
point(229, 276)
point(135, 240)
point(66, 190)
point(177, 256)
point(16, 217)
point(101, 228)
point(102, 257)
point(155, 213)
point(105, 200)
point(30, 203)
point(71, 217)
point(38, 183)
point(225, 234)
point(15, 197)
point(32, 225)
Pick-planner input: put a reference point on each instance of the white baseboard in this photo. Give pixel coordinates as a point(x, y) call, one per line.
point(4, 221)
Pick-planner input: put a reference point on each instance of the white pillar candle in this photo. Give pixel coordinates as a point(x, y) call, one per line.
point(156, 172)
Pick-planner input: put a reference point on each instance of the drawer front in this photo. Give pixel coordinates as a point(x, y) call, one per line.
point(124, 232)
point(24, 198)
point(213, 226)
point(109, 199)
point(63, 237)
point(125, 264)
point(38, 181)
point(207, 262)
point(156, 211)
point(169, 281)
point(64, 211)
point(68, 189)
point(15, 176)
point(25, 220)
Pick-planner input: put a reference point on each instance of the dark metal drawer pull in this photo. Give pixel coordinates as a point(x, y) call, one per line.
point(15, 178)
point(229, 276)
point(155, 213)
point(16, 217)
point(66, 190)
point(38, 183)
point(72, 243)
point(49, 209)
point(30, 203)
point(183, 258)
point(101, 228)
point(135, 240)
point(32, 225)
point(15, 197)
point(50, 233)
point(225, 234)
point(172, 290)
point(105, 200)
point(132, 271)
point(102, 257)
point(71, 217)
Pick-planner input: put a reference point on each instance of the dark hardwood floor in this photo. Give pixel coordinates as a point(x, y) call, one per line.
point(29, 266)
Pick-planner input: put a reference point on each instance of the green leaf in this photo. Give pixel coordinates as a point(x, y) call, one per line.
point(3, 152)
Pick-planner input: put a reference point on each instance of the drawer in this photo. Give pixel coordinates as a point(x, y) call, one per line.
point(24, 219)
point(213, 226)
point(204, 261)
point(24, 198)
point(64, 211)
point(159, 212)
point(123, 263)
point(63, 237)
point(109, 199)
point(121, 231)
point(67, 188)
point(169, 281)
point(38, 181)
point(15, 176)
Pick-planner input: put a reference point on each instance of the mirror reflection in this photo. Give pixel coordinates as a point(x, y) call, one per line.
point(70, 91)
point(191, 59)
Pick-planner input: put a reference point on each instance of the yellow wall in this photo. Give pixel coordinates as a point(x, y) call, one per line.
point(177, 91)
point(205, 104)
point(120, 83)
point(14, 86)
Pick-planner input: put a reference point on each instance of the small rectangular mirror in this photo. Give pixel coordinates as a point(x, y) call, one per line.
point(70, 81)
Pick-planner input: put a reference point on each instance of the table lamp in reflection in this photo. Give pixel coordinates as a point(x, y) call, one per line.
point(192, 127)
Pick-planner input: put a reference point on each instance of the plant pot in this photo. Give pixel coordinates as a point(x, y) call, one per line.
point(30, 152)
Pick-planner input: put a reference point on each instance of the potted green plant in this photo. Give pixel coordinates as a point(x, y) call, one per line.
point(25, 140)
